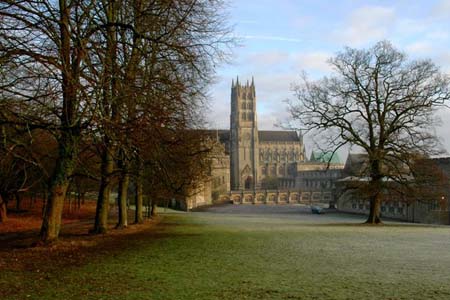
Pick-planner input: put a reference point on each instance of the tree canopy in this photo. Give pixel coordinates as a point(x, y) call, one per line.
point(380, 101)
point(108, 76)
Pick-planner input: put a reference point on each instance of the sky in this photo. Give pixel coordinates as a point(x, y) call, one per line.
point(280, 39)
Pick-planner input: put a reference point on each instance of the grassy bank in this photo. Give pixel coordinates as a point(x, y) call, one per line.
point(229, 256)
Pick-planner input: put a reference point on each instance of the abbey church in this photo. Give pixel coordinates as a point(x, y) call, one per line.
point(248, 159)
point(256, 155)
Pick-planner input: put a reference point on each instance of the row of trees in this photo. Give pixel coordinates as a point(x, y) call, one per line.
point(110, 89)
point(384, 105)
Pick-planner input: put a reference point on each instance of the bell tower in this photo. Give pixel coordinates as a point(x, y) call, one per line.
point(244, 136)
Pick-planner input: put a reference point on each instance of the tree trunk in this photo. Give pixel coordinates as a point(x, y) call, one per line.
point(69, 201)
point(32, 199)
point(51, 224)
point(18, 201)
point(374, 214)
point(78, 200)
point(123, 196)
point(111, 117)
point(153, 213)
point(102, 210)
point(138, 217)
point(147, 209)
point(70, 131)
point(375, 192)
point(44, 201)
point(3, 209)
point(58, 188)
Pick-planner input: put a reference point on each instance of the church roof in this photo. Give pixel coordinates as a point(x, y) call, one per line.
point(278, 136)
point(325, 157)
point(263, 135)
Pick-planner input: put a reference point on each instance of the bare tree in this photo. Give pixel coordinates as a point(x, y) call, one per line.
point(162, 55)
point(178, 167)
point(381, 102)
point(99, 68)
point(15, 165)
point(45, 44)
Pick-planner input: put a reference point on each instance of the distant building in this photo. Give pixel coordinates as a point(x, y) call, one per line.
point(218, 180)
point(317, 177)
point(262, 159)
point(406, 208)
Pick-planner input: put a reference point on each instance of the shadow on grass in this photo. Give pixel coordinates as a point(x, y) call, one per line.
point(79, 248)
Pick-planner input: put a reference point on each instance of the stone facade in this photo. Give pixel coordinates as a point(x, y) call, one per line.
point(317, 180)
point(279, 154)
point(220, 171)
point(217, 182)
point(256, 155)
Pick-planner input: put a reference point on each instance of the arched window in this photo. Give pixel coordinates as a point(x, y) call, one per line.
point(249, 105)
point(249, 116)
point(243, 105)
point(243, 116)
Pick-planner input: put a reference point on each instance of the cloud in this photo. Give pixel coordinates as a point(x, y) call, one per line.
point(268, 58)
point(408, 26)
point(442, 131)
point(273, 87)
point(270, 38)
point(283, 62)
point(366, 24)
point(218, 111)
point(268, 121)
point(419, 47)
point(441, 10)
point(438, 35)
point(313, 61)
point(301, 22)
point(443, 60)
point(248, 22)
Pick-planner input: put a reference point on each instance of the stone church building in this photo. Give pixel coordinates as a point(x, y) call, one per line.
point(251, 158)
point(256, 155)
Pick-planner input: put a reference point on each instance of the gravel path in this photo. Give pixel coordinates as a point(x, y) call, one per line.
point(300, 213)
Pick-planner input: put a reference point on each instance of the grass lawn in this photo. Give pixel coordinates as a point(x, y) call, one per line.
point(253, 256)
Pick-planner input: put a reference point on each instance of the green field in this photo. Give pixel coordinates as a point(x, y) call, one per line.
point(257, 256)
